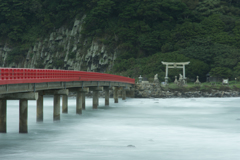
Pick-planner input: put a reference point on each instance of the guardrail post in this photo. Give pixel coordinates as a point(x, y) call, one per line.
point(23, 114)
point(3, 115)
point(40, 108)
point(56, 107)
point(64, 103)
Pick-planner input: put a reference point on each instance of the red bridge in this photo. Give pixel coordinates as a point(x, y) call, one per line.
point(32, 84)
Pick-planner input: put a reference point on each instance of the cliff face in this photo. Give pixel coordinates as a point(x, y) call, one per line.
point(65, 49)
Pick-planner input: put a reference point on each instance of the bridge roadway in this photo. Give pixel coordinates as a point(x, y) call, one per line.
point(32, 84)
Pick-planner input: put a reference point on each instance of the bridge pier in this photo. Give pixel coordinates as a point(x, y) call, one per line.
point(123, 94)
point(56, 101)
point(23, 109)
point(115, 94)
point(106, 89)
point(80, 99)
point(64, 103)
point(95, 99)
point(79, 103)
point(23, 115)
point(83, 98)
point(96, 96)
point(3, 116)
point(132, 90)
point(82, 92)
point(56, 107)
point(40, 108)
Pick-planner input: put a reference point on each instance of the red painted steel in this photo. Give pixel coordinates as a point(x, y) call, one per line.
point(24, 75)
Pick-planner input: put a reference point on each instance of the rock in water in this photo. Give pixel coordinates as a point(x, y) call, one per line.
point(131, 146)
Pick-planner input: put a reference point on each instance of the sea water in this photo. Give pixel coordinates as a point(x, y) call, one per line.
point(133, 129)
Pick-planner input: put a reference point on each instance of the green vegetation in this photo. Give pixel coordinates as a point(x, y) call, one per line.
point(72, 55)
point(58, 63)
point(205, 32)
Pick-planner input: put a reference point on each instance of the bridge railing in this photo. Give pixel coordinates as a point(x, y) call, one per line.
point(24, 75)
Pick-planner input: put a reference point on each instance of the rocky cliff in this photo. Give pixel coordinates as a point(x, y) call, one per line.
point(65, 49)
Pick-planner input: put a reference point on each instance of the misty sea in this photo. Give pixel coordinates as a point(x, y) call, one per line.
point(133, 129)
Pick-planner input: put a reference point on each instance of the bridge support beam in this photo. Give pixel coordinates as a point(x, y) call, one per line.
point(40, 108)
point(64, 103)
point(56, 107)
point(106, 89)
point(17, 96)
point(3, 115)
point(115, 94)
point(23, 114)
point(58, 92)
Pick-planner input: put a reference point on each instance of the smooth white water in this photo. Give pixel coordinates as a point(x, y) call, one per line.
point(160, 129)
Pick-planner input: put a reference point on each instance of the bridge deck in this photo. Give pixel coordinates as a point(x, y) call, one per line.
point(21, 75)
point(13, 80)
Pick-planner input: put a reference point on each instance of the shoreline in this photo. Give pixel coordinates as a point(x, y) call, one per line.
point(157, 91)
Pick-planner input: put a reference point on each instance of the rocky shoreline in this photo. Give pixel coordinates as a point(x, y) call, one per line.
point(153, 90)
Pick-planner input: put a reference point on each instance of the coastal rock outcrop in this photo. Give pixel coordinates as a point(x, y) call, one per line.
point(154, 90)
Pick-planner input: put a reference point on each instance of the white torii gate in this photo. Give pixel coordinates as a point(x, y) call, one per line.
point(174, 65)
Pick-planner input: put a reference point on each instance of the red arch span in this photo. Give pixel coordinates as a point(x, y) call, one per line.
point(24, 75)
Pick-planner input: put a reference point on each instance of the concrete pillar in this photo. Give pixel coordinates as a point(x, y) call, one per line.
point(95, 99)
point(123, 94)
point(64, 103)
point(40, 108)
point(107, 97)
point(3, 116)
point(79, 103)
point(56, 107)
point(23, 114)
point(83, 97)
point(115, 95)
